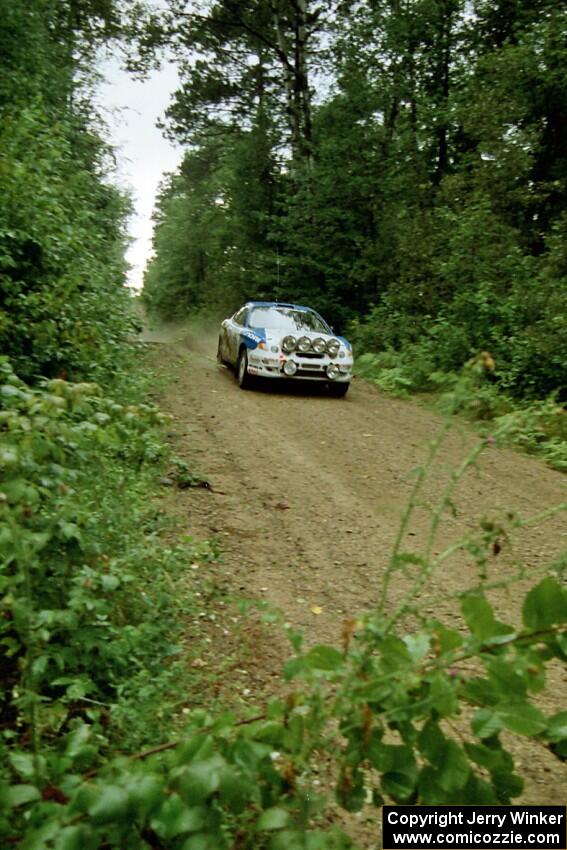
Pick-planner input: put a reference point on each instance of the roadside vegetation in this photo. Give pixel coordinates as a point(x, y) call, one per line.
point(422, 202)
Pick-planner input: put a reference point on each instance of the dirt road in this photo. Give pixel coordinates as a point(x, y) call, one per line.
point(307, 493)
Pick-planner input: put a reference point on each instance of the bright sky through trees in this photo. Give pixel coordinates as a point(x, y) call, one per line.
point(131, 108)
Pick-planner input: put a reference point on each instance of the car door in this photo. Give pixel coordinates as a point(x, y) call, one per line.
point(234, 327)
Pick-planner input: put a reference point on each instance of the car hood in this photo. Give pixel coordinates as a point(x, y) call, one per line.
point(275, 335)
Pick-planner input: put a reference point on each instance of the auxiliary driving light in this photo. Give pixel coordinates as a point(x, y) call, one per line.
point(289, 368)
point(303, 344)
point(288, 344)
point(332, 371)
point(319, 345)
point(333, 347)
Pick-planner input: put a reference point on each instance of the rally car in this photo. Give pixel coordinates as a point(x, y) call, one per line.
point(269, 339)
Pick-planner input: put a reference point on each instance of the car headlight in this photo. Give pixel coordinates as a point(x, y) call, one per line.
point(288, 344)
point(319, 345)
point(332, 371)
point(290, 368)
point(303, 344)
point(333, 347)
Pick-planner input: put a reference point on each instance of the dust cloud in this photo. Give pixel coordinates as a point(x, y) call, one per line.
point(199, 335)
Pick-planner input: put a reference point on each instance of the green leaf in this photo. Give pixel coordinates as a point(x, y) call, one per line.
point(478, 792)
point(236, 790)
point(350, 790)
point(288, 839)
point(442, 696)
point(447, 639)
point(197, 748)
point(486, 723)
point(545, 605)
point(432, 742)
point(323, 658)
point(487, 757)
point(557, 726)
point(381, 756)
point(399, 780)
point(274, 818)
point(77, 740)
point(395, 654)
point(146, 793)
point(266, 730)
point(505, 679)
point(176, 818)
point(507, 785)
point(454, 770)
point(294, 733)
point(248, 754)
point(294, 667)
point(111, 806)
point(429, 790)
point(480, 618)
point(203, 841)
point(399, 786)
point(19, 795)
point(73, 838)
point(110, 582)
point(481, 692)
point(198, 781)
point(418, 645)
point(25, 764)
point(522, 717)
point(69, 530)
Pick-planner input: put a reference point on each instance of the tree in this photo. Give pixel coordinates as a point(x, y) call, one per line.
point(62, 271)
point(252, 56)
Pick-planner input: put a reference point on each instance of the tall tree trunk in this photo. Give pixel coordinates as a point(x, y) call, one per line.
point(302, 81)
point(293, 58)
point(442, 163)
point(292, 112)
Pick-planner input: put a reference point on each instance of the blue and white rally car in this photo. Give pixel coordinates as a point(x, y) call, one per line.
point(269, 339)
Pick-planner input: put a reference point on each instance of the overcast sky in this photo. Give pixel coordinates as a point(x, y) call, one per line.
point(131, 109)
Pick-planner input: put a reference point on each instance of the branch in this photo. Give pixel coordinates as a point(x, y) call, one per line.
point(170, 745)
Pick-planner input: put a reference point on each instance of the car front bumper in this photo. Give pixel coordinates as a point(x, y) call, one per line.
point(261, 364)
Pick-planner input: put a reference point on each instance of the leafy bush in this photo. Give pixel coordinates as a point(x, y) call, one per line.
point(394, 373)
point(63, 308)
point(87, 589)
point(539, 428)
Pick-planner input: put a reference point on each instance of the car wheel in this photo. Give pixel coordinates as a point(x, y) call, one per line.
point(245, 380)
point(339, 390)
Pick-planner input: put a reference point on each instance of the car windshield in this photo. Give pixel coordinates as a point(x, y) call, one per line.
point(286, 319)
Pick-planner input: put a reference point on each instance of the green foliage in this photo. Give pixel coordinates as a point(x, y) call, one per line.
point(63, 307)
point(90, 610)
point(70, 565)
point(539, 428)
point(211, 241)
point(64, 310)
point(394, 700)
